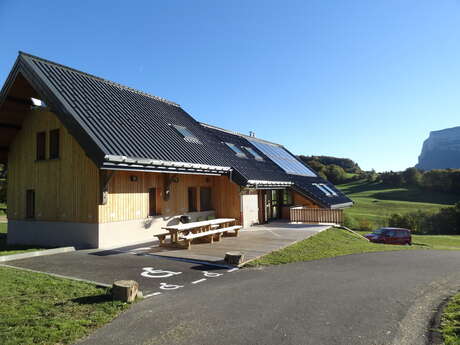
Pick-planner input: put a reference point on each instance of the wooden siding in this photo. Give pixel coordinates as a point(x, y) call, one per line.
point(299, 200)
point(66, 189)
point(129, 200)
point(226, 198)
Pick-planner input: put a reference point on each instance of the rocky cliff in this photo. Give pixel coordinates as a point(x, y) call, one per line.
point(441, 150)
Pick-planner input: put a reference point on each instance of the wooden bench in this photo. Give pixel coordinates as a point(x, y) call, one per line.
point(162, 237)
point(211, 233)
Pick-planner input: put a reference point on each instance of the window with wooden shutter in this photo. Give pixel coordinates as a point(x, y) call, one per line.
point(30, 203)
point(192, 199)
point(153, 202)
point(205, 199)
point(41, 146)
point(54, 144)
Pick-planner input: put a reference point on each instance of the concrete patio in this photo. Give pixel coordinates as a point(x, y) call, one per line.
point(253, 242)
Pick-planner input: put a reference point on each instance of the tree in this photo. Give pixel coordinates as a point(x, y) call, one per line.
point(412, 177)
point(335, 174)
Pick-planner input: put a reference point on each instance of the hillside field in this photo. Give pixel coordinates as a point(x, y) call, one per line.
point(375, 202)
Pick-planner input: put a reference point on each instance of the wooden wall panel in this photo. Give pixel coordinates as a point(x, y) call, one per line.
point(299, 200)
point(129, 200)
point(66, 189)
point(226, 198)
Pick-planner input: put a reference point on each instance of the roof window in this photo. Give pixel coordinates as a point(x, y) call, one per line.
point(186, 134)
point(328, 191)
point(237, 150)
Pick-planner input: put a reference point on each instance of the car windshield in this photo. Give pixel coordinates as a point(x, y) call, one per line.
point(378, 231)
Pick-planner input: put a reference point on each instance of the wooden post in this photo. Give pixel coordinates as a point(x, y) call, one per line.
point(125, 290)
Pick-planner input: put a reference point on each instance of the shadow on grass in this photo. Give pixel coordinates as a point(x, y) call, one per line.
point(417, 195)
point(411, 194)
point(420, 244)
point(102, 298)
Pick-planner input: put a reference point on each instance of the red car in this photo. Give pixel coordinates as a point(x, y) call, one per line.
point(390, 236)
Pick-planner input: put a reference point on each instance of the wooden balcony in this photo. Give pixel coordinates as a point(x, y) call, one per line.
point(315, 215)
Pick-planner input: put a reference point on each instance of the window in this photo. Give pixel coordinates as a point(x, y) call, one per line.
point(287, 197)
point(325, 189)
point(205, 199)
point(186, 134)
point(41, 146)
point(329, 189)
point(237, 150)
point(54, 144)
point(322, 189)
point(152, 202)
point(30, 203)
point(254, 153)
point(192, 199)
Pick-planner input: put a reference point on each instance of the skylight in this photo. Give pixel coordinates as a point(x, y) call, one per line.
point(237, 150)
point(325, 189)
point(186, 134)
point(283, 159)
point(254, 153)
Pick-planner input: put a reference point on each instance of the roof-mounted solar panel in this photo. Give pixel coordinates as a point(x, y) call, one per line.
point(283, 158)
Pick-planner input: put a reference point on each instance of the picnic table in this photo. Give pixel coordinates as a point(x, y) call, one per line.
point(213, 228)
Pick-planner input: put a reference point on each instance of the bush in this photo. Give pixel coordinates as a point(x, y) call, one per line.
point(349, 221)
point(446, 221)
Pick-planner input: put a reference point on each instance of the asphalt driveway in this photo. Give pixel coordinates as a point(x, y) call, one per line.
point(156, 275)
point(368, 299)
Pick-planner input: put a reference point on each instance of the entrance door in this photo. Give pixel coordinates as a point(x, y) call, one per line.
point(271, 202)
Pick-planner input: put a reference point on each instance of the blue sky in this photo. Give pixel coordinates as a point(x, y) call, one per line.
point(367, 80)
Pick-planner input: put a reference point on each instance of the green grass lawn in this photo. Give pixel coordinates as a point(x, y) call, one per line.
point(39, 309)
point(336, 242)
point(374, 202)
point(15, 249)
point(450, 322)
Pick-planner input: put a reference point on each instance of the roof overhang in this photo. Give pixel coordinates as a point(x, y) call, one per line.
point(112, 162)
point(344, 205)
point(259, 184)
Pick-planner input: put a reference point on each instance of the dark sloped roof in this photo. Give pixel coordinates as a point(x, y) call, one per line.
point(122, 128)
point(116, 124)
point(251, 169)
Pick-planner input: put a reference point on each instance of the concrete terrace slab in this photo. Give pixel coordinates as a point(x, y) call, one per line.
point(253, 242)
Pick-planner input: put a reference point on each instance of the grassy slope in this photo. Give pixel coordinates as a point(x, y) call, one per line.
point(39, 309)
point(337, 242)
point(450, 322)
point(327, 244)
point(375, 202)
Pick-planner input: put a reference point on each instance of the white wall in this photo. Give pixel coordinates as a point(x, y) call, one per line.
point(250, 209)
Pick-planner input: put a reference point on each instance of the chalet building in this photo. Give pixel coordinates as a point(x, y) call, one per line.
point(92, 163)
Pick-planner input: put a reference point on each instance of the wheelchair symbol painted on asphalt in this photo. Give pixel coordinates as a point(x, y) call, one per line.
point(150, 272)
point(166, 286)
point(211, 274)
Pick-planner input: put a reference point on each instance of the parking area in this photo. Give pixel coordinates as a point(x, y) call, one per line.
point(160, 270)
point(156, 275)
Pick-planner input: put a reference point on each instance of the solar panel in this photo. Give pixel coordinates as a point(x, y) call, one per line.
point(283, 159)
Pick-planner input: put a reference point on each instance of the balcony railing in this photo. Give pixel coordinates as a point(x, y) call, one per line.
point(315, 215)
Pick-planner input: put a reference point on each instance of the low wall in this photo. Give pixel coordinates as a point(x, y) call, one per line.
point(87, 235)
point(140, 230)
point(53, 234)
